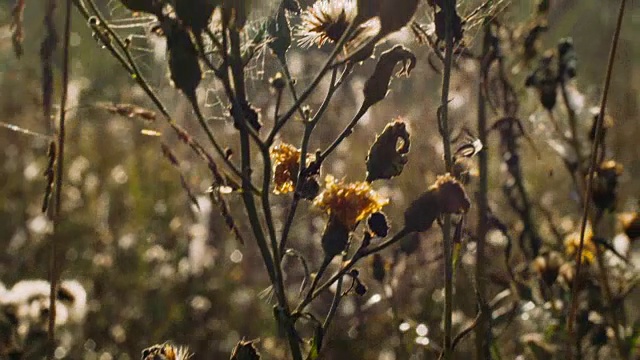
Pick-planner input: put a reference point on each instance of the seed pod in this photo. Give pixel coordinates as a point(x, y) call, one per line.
point(183, 58)
point(394, 14)
point(567, 59)
point(422, 212)
point(245, 350)
point(376, 87)
point(195, 14)
point(378, 267)
point(386, 157)
point(334, 238)
point(378, 224)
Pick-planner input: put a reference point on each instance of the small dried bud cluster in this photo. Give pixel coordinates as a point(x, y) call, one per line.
point(445, 196)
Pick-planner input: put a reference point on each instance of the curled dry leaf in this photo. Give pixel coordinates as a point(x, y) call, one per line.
point(377, 86)
point(388, 154)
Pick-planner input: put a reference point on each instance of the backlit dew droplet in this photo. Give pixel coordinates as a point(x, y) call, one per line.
point(236, 256)
point(404, 327)
point(422, 330)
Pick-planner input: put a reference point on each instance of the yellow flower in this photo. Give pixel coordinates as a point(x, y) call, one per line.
point(572, 243)
point(286, 162)
point(165, 352)
point(349, 202)
point(326, 21)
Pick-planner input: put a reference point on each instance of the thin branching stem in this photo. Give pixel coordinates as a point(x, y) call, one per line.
point(587, 196)
point(304, 150)
point(360, 253)
point(449, 8)
point(310, 89)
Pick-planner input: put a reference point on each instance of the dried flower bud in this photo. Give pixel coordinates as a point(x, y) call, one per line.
point(422, 212)
point(286, 162)
point(394, 14)
point(378, 224)
point(378, 267)
point(360, 289)
point(605, 185)
point(195, 14)
point(440, 22)
point(388, 154)
point(567, 59)
point(548, 266)
point(278, 82)
point(452, 197)
point(607, 124)
point(183, 58)
point(545, 80)
point(334, 238)
point(249, 114)
point(630, 224)
point(376, 87)
point(309, 188)
point(245, 350)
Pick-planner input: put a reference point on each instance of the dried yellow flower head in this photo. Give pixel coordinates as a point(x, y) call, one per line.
point(165, 352)
point(572, 243)
point(286, 162)
point(349, 203)
point(326, 21)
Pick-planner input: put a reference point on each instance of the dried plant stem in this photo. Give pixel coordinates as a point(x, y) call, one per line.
point(587, 200)
point(310, 89)
point(274, 267)
point(304, 150)
point(482, 330)
point(360, 253)
point(449, 8)
point(54, 271)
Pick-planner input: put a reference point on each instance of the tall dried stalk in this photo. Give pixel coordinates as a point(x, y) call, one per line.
point(482, 201)
point(587, 201)
point(449, 8)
